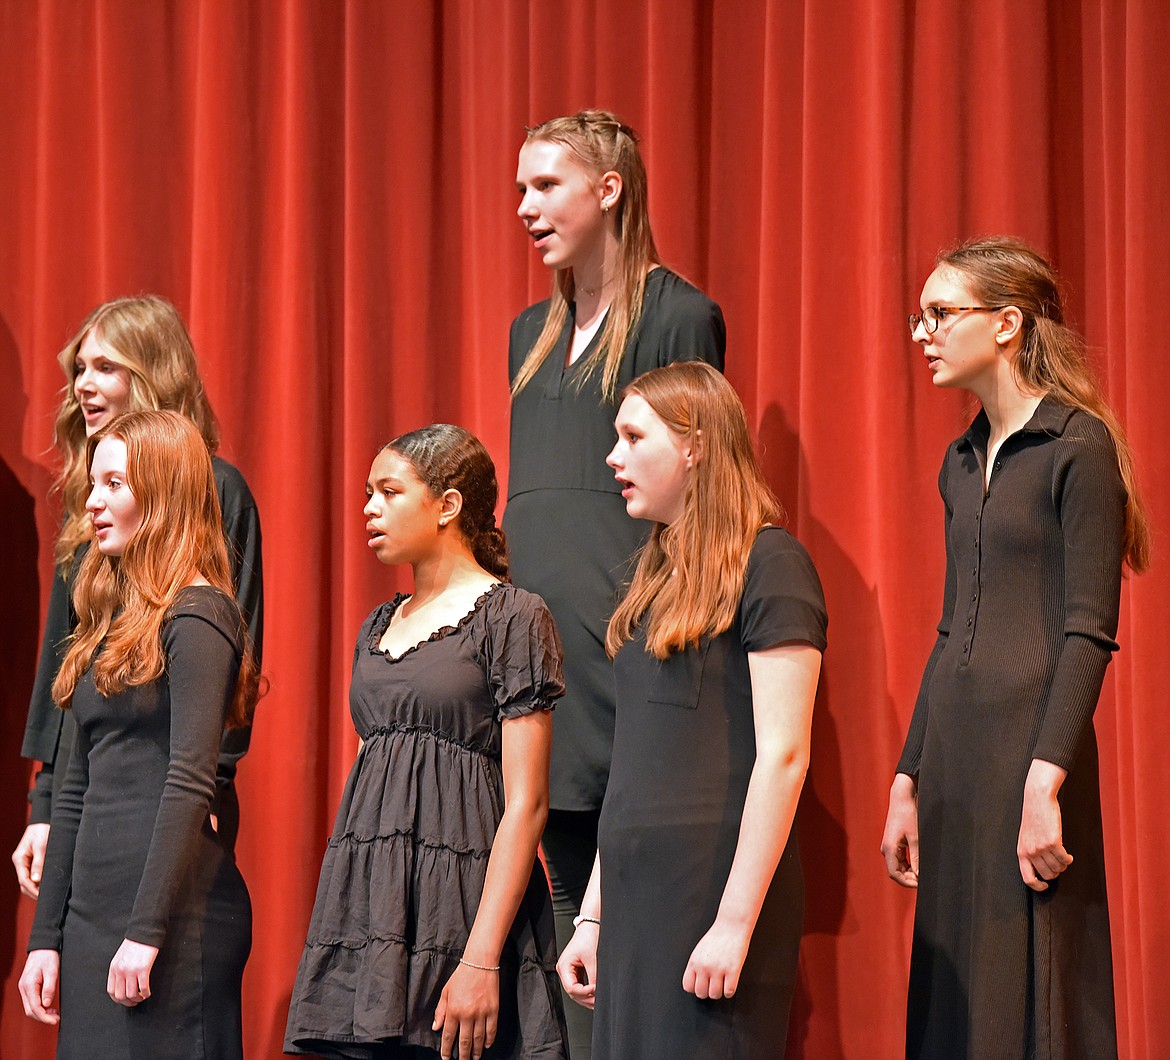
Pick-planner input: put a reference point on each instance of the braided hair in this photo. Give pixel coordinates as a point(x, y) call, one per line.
point(447, 457)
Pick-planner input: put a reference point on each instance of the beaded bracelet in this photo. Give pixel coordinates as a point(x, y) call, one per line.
point(480, 967)
point(583, 919)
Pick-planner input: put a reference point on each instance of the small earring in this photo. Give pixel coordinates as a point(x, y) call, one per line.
point(605, 207)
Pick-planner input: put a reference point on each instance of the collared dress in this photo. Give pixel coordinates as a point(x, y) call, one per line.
point(1030, 612)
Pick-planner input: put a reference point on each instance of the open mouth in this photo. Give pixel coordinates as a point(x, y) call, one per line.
point(539, 236)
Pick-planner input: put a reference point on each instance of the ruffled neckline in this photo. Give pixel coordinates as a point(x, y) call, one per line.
point(389, 609)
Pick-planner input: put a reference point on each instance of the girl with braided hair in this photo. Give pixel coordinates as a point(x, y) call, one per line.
point(614, 313)
point(432, 927)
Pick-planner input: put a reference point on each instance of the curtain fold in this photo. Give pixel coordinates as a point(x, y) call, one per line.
point(326, 190)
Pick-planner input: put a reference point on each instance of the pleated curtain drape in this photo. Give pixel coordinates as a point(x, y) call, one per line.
point(326, 190)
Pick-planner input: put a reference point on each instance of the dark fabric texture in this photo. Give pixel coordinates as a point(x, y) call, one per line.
point(569, 845)
point(563, 502)
point(405, 867)
point(684, 749)
point(49, 732)
point(132, 854)
point(1029, 619)
point(326, 191)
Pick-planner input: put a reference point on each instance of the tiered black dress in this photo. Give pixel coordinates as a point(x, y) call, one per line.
point(684, 748)
point(406, 864)
point(132, 854)
point(1029, 615)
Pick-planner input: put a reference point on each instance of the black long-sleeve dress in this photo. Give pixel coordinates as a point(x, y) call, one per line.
point(1030, 611)
point(132, 854)
point(48, 734)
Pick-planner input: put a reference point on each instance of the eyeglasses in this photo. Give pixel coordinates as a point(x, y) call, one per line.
point(933, 315)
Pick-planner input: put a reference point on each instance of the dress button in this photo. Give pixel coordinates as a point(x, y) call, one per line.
point(968, 622)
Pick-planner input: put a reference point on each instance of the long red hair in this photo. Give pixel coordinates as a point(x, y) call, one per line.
point(122, 601)
point(689, 579)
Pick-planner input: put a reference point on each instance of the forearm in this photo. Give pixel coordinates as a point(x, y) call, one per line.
point(57, 877)
point(916, 734)
point(1044, 779)
point(1072, 699)
point(904, 786)
point(591, 902)
point(509, 872)
point(201, 679)
point(40, 797)
point(769, 809)
point(43, 724)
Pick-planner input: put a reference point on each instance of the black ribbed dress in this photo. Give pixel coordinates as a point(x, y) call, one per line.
point(48, 734)
point(1030, 611)
point(132, 854)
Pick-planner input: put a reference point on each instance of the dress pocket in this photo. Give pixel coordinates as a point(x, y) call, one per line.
point(677, 680)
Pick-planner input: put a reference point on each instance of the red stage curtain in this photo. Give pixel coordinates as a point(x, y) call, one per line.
point(326, 191)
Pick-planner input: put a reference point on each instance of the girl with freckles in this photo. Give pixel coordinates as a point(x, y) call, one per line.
point(143, 924)
point(432, 934)
point(688, 938)
point(995, 812)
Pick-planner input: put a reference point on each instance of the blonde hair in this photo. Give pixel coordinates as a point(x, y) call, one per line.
point(601, 142)
point(1002, 271)
point(689, 577)
point(123, 600)
point(147, 337)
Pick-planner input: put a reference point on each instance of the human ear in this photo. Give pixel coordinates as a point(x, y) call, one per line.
point(611, 188)
point(451, 504)
point(1011, 323)
point(694, 450)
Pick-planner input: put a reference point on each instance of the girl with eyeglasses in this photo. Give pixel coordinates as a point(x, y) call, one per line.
point(614, 313)
point(995, 812)
point(692, 921)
